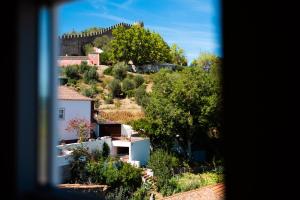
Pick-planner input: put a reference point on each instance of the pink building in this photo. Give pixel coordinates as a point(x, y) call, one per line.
point(91, 59)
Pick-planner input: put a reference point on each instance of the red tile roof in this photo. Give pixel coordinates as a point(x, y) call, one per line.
point(65, 93)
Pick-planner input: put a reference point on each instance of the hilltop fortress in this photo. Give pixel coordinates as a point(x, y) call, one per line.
point(72, 45)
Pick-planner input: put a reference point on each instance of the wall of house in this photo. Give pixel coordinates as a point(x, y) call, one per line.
point(140, 151)
point(90, 145)
point(120, 143)
point(73, 109)
point(94, 59)
point(72, 60)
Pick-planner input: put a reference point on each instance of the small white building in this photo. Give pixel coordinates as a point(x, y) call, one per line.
point(71, 105)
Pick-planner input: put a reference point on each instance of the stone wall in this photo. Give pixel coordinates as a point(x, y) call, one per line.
point(72, 45)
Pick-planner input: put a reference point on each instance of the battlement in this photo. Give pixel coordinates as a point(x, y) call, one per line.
point(93, 34)
point(73, 45)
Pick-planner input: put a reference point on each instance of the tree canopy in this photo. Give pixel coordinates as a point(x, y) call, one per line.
point(85, 31)
point(185, 104)
point(139, 45)
point(177, 55)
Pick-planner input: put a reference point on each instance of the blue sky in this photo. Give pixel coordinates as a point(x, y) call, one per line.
point(192, 24)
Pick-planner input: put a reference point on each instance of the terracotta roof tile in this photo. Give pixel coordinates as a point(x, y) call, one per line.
point(65, 93)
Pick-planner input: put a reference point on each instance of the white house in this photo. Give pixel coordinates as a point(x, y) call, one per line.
point(129, 147)
point(71, 105)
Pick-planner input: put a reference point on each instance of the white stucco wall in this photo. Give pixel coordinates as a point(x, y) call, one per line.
point(140, 151)
point(90, 145)
point(73, 109)
point(120, 143)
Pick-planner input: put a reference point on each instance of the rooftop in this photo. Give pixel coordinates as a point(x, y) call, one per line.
point(65, 93)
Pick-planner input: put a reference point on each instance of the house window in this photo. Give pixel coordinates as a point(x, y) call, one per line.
point(61, 113)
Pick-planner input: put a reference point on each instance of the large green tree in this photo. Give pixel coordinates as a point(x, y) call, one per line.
point(185, 104)
point(177, 55)
point(139, 45)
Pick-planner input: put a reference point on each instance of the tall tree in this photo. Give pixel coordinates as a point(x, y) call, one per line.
point(185, 104)
point(177, 55)
point(102, 41)
point(139, 45)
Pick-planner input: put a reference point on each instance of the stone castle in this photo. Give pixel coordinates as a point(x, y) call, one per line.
point(72, 45)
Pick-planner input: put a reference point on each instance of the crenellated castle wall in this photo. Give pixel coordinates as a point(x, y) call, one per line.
point(72, 45)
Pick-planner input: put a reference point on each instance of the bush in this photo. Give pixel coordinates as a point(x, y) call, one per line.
point(120, 193)
point(130, 93)
point(127, 85)
point(168, 189)
point(118, 174)
point(108, 99)
point(115, 88)
point(72, 72)
point(117, 103)
point(141, 96)
point(96, 155)
point(188, 181)
point(90, 92)
point(138, 80)
point(140, 194)
point(91, 75)
point(80, 157)
point(120, 70)
point(108, 71)
point(71, 82)
point(96, 104)
point(83, 67)
point(105, 150)
point(105, 58)
point(95, 171)
point(130, 76)
point(163, 165)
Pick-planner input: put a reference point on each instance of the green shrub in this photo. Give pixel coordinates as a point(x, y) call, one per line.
point(188, 181)
point(91, 75)
point(80, 157)
point(72, 72)
point(117, 103)
point(130, 93)
point(90, 92)
point(120, 70)
point(108, 99)
point(96, 155)
point(168, 189)
point(141, 194)
point(130, 76)
point(127, 85)
point(71, 82)
point(138, 80)
point(108, 71)
point(105, 58)
point(83, 67)
point(105, 150)
point(95, 171)
point(96, 104)
point(115, 88)
point(141, 96)
point(163, 165)
point(120, 193)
